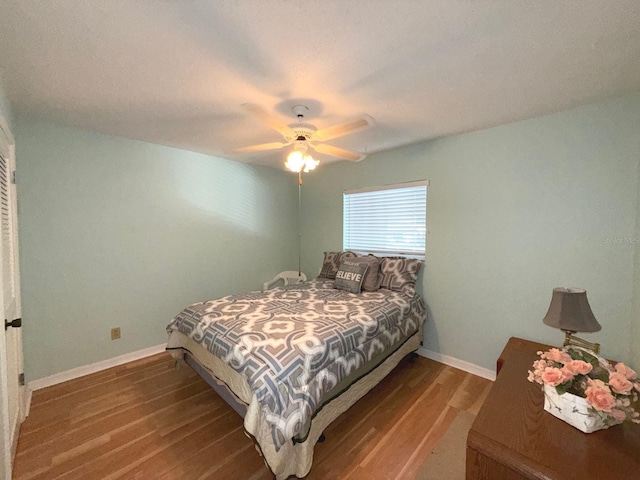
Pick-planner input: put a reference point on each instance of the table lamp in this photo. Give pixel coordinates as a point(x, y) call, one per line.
point(570, 312)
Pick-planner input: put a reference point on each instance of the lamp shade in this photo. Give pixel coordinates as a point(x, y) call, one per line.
point(570, 311)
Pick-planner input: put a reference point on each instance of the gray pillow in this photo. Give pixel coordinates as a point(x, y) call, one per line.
point(350, 275)
point(400, 274)
point(331, 263)
point(372, 278)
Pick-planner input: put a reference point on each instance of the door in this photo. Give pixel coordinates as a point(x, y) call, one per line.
point(11, 388)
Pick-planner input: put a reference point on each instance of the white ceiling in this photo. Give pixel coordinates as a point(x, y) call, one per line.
point(175, 72)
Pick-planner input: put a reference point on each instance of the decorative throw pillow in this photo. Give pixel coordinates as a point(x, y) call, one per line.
point(332, 261)
point(399, 274)
point(350, 275)
point(372, 278)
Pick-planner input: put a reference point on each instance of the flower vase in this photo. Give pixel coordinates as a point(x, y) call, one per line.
point(575, 411)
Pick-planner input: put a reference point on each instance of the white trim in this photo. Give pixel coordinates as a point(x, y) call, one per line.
point(457, 363)
point(4, 125)
point(391, 186)
point(94, 367)
point(14, 442)
point(27, 401)
point(7, 436)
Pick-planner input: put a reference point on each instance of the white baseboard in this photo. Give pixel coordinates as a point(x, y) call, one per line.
point(457, 363)
point(27, 401)
point(93, 368)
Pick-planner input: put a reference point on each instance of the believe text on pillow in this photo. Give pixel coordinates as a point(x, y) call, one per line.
point(349, 275)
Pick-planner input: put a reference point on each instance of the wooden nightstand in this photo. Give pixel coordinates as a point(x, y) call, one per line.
point(514, 438)
point(519, 344)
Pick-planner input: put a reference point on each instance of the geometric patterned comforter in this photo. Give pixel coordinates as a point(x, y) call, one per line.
point(293, 344)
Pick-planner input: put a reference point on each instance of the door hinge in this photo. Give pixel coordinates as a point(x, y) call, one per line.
point(21, 379)
point(13, 177)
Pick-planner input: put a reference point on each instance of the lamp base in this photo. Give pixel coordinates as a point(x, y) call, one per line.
point(570, 339)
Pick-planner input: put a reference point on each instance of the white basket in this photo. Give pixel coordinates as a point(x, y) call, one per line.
point(574, 410)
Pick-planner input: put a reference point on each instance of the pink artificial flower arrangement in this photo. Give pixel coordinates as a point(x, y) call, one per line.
point(611, 392)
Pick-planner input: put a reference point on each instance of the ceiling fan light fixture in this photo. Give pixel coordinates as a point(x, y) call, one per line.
point(298, 161)
point(310, 163)
point(304, 136)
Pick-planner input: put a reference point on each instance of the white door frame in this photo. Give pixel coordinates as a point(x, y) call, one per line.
point(5, 435)
point(8, 438)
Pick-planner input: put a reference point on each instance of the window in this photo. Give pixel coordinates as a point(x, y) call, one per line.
point(389, 220)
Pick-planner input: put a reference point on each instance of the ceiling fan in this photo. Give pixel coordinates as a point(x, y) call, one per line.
point(303, 135)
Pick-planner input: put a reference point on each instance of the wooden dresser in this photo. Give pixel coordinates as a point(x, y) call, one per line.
point(514, 438)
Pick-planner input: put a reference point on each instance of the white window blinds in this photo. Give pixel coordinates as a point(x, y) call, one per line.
point(390, 220)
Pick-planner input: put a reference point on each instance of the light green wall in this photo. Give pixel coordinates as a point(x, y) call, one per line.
point(513, 212)
point(115, 232)
point(634, 337)
point(121, 233)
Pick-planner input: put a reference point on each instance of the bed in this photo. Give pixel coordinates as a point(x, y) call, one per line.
point(291, 359)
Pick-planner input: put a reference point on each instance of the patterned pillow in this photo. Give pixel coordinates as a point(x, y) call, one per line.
point(332, 261)
point(372, 278)
point(350, 275)
point(400, 274)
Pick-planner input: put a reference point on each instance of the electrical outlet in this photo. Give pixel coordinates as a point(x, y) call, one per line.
point(115, 333)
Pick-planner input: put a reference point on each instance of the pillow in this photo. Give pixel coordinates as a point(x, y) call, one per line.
point(372, 278)
point(331, 263)
point(350, 275)
point(399, 274)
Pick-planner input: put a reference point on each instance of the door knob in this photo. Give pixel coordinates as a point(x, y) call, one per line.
point(14, 323)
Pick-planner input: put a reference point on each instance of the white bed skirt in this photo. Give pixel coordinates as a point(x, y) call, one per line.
point(291, 459)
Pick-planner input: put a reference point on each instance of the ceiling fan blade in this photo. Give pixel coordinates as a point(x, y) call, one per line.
point(261, 147)
point(339, 130)
point(338, 152)
point(270, 120)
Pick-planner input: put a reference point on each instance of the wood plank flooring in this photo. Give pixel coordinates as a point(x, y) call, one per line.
point(147, 420)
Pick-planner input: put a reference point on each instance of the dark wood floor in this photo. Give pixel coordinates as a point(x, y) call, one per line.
point(147, 420)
